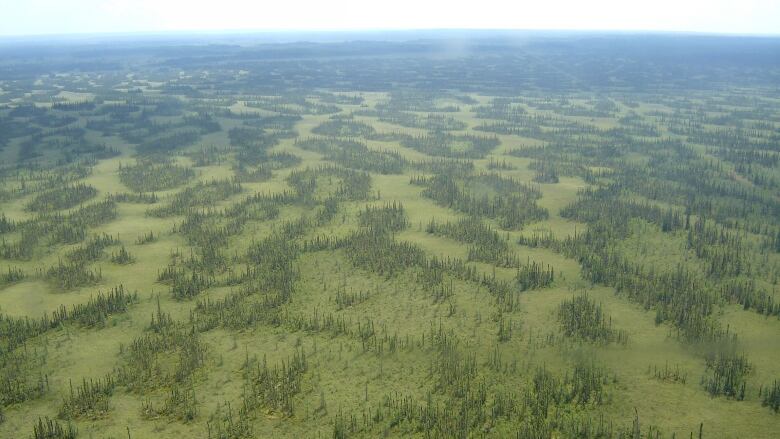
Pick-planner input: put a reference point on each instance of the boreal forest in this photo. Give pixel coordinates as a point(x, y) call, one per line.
point(466, 235)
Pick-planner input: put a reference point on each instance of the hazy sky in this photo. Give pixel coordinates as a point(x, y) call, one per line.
point(35, 17)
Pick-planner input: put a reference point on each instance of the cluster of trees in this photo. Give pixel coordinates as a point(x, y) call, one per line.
point(135, 198)
point(146, 238)
point(375, 248)
point(341, 126)
point(511, 203)
point(726, 374)
point(668, 374)
point(486, 245)
point(273, 388)
point(545, 172)
point(583, 318)
point(72, 274)
point(122, 257)
point(202, 194)
point(391, 217)
point(339, 98)
point(17, 330)
point(292, 104)
point(281, 125)
point(57, 228)
point(97, 309)
point(546, 405)
point(157, 139)
point(678, 295)
point(20, 181)
point(22, 375)
point(355, 154)
point(442, 144)
point(62, 144)
point(270, 274)
point(428, 121)
point(92, 250)
point(533, 275)
point(62, 198)
point(251, 138)
point(180, 404)
point(503, 165)
point(314, 184)
point(52, 429)
point(149, 176)
point(246, 174)
point(750, 296)
point(177, 137)
point(89, 400)
point(183, 284)
point(166, 339)
point(14, 274)
point(770, 396)
point(209, 156)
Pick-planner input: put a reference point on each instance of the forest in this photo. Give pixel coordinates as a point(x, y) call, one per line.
point(535, 236)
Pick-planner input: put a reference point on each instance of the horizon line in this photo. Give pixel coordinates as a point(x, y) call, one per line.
point(336, 31)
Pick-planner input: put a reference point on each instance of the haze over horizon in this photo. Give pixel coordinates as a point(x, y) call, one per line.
point(51, 17)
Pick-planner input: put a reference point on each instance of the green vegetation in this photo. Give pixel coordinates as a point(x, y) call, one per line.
point(145, 176)
point(253, 241)
point(62, 198)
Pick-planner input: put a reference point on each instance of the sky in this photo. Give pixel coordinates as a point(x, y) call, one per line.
point(47, 17)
